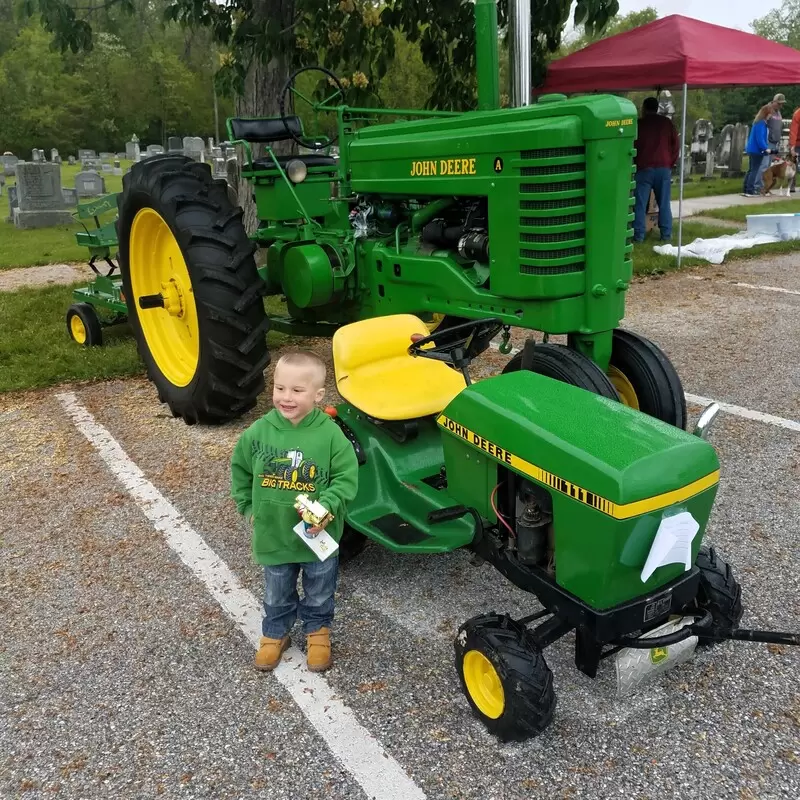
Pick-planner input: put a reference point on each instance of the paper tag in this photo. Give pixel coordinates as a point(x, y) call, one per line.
point(323, 544)
point(672, 544)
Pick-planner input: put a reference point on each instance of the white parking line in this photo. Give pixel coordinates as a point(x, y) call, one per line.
point(749, 285)
point(729, 408)
point(378, 774)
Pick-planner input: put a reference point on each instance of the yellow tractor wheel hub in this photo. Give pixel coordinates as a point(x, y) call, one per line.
point(157, 267)
point(624, 387)
point(483, 684)
point(77, 329)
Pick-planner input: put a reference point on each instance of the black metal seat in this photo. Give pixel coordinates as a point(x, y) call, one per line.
point(265, 130)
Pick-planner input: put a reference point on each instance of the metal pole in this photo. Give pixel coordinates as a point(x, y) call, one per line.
point(519, 24)
point(680, 195)
point(486, 55)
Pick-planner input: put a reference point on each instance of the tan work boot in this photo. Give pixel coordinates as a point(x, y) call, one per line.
point(318, 650)
point(269, 653)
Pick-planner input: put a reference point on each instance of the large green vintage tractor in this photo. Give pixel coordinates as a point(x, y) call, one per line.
point(523, 214)
point(594, 508)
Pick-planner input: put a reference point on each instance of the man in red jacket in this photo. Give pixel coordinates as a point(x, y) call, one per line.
point(794, 140)
point(656, 153)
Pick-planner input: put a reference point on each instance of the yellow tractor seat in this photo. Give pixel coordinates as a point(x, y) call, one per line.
point(375, 373)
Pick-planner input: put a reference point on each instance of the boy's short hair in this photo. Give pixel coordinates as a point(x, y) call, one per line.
point(305, 358)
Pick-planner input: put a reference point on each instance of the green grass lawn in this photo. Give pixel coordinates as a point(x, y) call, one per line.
point(49, 245)
point(36, 351)
point(647, 262)
point(698, 188)
point(739, 213)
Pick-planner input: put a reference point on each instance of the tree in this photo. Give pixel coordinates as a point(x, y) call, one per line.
point(781, 24)
point(627, 22)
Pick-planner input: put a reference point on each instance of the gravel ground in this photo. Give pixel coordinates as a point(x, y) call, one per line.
point(49, 275)
point(120, 675)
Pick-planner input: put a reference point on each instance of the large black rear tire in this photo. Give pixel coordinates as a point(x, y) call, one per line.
point(504, 676)
point(646, 379)
point(222, 312)
point(568, 366)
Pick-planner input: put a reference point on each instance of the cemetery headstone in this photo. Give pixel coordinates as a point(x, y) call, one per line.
point(70, 196)
point(665, 105)
point(132, 149)
point(71, 161)
point(109, 157)
point(36, 155)
point(219, 168)
point(40, 201)
point(12, 203)
point(54, 156)
point(194, 147)
point(85, 155)
point(174, 144)
point(738, 142)
point(107, 168)
point(117, 167)
point(154, 150)
point(723, 154)
point(90, 184)
point(9, 161)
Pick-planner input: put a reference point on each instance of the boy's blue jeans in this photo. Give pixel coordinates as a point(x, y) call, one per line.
point(659, 180)
point(282, 602)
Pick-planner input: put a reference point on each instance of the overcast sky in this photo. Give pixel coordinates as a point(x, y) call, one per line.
point(730, 13)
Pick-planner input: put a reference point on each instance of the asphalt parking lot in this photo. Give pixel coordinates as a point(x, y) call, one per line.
point(130, 606)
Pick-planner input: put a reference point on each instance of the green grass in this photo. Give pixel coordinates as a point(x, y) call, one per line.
point(739, 213)
point(647, 262)
point(699, 188)
point(49, 245)
point(36, 351)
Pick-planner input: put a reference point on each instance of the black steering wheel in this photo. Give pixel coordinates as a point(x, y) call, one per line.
point(314, 142)
point(460, 344)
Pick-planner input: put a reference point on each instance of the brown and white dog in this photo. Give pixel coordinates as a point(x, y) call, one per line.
point(780, 174)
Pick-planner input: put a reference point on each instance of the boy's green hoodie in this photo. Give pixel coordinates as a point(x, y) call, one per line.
point(273, 462)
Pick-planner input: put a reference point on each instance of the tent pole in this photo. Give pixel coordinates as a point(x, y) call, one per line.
point(680, 194)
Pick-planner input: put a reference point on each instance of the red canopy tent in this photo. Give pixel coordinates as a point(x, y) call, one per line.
point(672, 52)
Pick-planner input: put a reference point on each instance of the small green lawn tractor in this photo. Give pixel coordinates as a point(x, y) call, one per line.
point(523, 214)
point(596, 509)
point(102, 302)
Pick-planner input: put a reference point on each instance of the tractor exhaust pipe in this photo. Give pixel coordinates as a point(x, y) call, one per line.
point(519, 28)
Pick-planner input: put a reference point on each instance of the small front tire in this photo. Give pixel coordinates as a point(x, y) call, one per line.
point(83, 325)
point(504, 676)
point(719, 592)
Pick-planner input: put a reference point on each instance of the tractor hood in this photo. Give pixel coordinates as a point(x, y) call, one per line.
point(616, 459)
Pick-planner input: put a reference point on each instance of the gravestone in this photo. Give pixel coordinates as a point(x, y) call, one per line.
point(70, 196)
point(54, 156)
point(85, 155)
point(107, 168)
point(9, 161)
point(12, 203)
point(738, 142)
point(701, 137)
point(40, 201)
point(89, 164)
point(174, 144)
point(90, 184)
point(194, 147)
point(665, 105)
point(117, 167)
point(109, 157)
point(71, 161)
point(723, 153)
point(219, 168)
point(132, 148)
point(36, 155)
point(154, 150)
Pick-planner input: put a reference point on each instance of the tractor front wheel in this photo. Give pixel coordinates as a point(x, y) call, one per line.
point(83, 325)
point(351, 544)
point(569, 366)
point(195, 299)
point(505, 677)
point(719, 592)
point(646, 379)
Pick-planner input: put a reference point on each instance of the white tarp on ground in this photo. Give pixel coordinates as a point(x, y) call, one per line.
point(714, 250)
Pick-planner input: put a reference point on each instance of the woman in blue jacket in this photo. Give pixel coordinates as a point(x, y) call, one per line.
point(759, 151)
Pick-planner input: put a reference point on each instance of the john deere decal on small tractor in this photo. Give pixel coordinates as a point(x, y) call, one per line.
point(571, 472)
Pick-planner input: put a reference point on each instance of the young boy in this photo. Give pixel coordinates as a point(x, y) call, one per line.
point(294, 449)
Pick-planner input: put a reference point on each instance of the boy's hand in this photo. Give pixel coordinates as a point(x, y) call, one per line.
point(315, 531)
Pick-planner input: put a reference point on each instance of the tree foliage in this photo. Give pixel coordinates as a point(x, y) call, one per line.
point(354, 38)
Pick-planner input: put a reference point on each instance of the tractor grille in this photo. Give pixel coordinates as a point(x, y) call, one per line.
point(549, 174)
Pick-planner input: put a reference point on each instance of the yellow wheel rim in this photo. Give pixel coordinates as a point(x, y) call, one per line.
point(157, 267)
point(624, 387)
point(483, 684)
point(77, 329)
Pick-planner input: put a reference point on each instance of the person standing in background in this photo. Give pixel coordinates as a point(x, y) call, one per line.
point(775, 131)
point(657, 151)
point(794, 144)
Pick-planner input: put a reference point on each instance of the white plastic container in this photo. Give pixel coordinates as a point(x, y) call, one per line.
point(785, 226)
